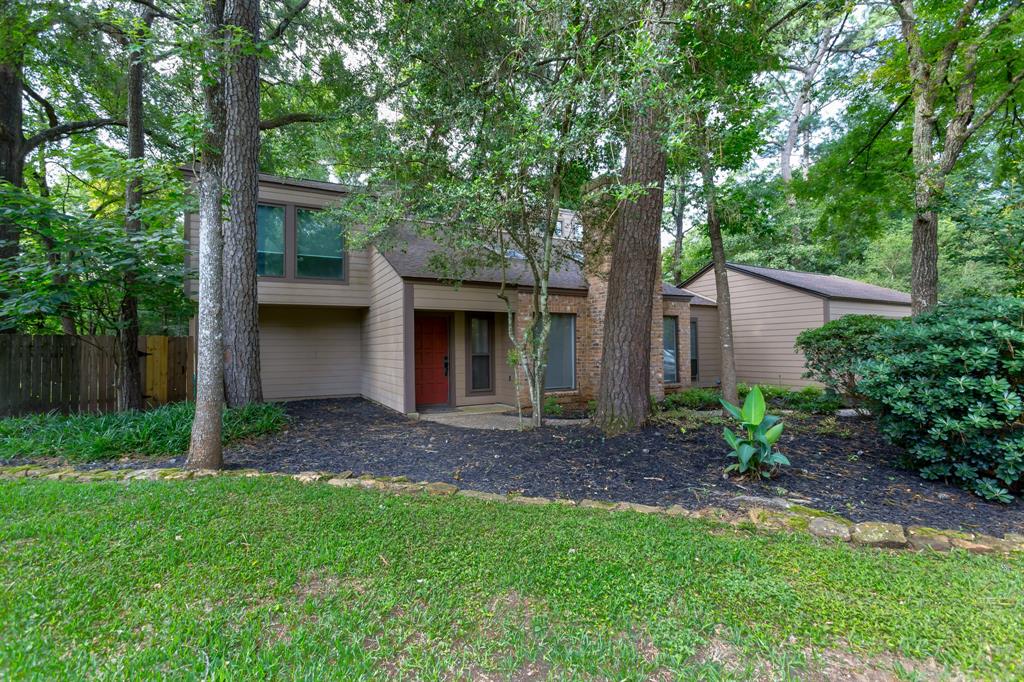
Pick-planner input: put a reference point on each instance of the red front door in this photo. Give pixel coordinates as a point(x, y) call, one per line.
point(431, 360)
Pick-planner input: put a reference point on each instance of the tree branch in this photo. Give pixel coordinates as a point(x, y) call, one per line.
point(287, 19)
point(288, 119)
point(878, 131)
point(998, 102)
point(51, 114)
point(65, 129)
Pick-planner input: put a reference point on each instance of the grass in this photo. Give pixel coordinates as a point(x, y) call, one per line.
point(235, 578)
point(161, 431)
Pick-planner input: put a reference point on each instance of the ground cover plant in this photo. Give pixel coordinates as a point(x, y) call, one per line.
point(160, 431)
point(809, 399)
point(244, 578)
point(948, 386)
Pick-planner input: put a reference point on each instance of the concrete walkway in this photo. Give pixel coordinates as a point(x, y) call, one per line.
point(494, 417)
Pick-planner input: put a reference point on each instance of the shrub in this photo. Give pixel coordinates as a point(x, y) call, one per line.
point(833, 350)
point(756, 453)
point(161, 431)
point(692, 399)
point(552, 408)
point(948, 387)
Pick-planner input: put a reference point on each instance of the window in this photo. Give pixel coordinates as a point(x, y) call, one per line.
point(270, 241)
point(561, 374)
point(318, 245)
point(670, 349)
point(480, 353)
point(694, 366)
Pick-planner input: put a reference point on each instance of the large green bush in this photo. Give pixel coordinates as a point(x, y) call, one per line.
point(833, 350)
point(948, 386)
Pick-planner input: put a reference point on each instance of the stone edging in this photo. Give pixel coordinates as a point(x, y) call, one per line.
point(777, 514)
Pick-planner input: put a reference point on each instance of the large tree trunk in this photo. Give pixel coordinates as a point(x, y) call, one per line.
point(12, 157)
point(725, 332)
point(129, 373)
point(241, 168)
point(624, 394)
point(205, 448)
point(924, 270)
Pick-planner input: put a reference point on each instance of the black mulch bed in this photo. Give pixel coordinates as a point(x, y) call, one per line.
point(847, 469)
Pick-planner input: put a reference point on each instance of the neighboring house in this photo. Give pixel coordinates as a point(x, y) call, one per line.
point(769, 309)
point(359, 322)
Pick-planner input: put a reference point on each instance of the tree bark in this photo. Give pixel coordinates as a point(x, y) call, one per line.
point(129, 372)
point(722, 297)
point(12, 158)
point(624, 393)
point(205, 448)
point(678, 214)
point(242, 383)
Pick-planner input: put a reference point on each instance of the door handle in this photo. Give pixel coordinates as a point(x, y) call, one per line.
point(446, 365)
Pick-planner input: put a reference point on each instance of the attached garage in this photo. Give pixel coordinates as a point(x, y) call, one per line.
point(770, 308)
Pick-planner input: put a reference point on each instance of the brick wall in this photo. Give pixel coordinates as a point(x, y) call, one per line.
point(589, 311)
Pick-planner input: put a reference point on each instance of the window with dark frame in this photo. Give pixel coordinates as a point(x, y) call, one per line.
point(694, 364)
point(299, 243)
point(561, 373)
point(270, 241)
point(670, 349)
point(480, 352)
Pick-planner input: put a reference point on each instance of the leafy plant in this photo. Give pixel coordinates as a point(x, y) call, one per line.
point(692, 399)
point(833, 351)
point(948, 387)
point(755, 454)
point(552, 408)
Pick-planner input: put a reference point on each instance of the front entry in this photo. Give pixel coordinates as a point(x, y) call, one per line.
point(432, 361)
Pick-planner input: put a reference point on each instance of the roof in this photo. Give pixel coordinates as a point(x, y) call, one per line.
point(411, 259)
point(675, 292)
point(698, 299)
point(824, 286)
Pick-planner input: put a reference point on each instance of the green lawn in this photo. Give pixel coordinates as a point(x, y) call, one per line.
point(235, 578)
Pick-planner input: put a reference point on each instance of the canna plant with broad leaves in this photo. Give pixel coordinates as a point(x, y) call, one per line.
point(755, 454)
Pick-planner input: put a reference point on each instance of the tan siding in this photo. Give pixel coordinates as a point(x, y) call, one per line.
point(444, 297)
point(309, 352)
point(504, 388)
point(839, 309)
point(709, 349)
point(383, 339)
point(766, 318)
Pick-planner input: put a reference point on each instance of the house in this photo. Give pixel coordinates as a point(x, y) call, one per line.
point(336, 321)
point(770, 308)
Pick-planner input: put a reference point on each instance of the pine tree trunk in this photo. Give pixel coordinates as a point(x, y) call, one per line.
point(725, 331)
point(12, 158)
point(205, 448)
point(678, 214)
point(624, 393)
point(129, 372)
point(242, 383)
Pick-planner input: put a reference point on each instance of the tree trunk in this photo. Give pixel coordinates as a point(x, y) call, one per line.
point(678, 213)
point(12, 158)
point(928, 181)
point(129, 373)
point(205, 447)
point(707, 172)
point(242, 383)
point(624, 393)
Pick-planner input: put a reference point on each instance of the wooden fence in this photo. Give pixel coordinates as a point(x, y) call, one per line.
point(78, 374)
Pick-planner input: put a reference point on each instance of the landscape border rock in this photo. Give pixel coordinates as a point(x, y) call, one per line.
point(775, 515)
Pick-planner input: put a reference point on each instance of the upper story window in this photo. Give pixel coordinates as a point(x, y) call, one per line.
point(270, 241)
point(293, 242)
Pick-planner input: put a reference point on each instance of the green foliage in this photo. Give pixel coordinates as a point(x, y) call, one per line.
point(810, 399)
point(161, 431)
point(948, 386)
point(552, 407)
point(833, 351)
point(755, 454)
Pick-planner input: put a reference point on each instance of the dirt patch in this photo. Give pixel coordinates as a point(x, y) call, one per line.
point(836, 664)
point(723, 653)
point(316, 584)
